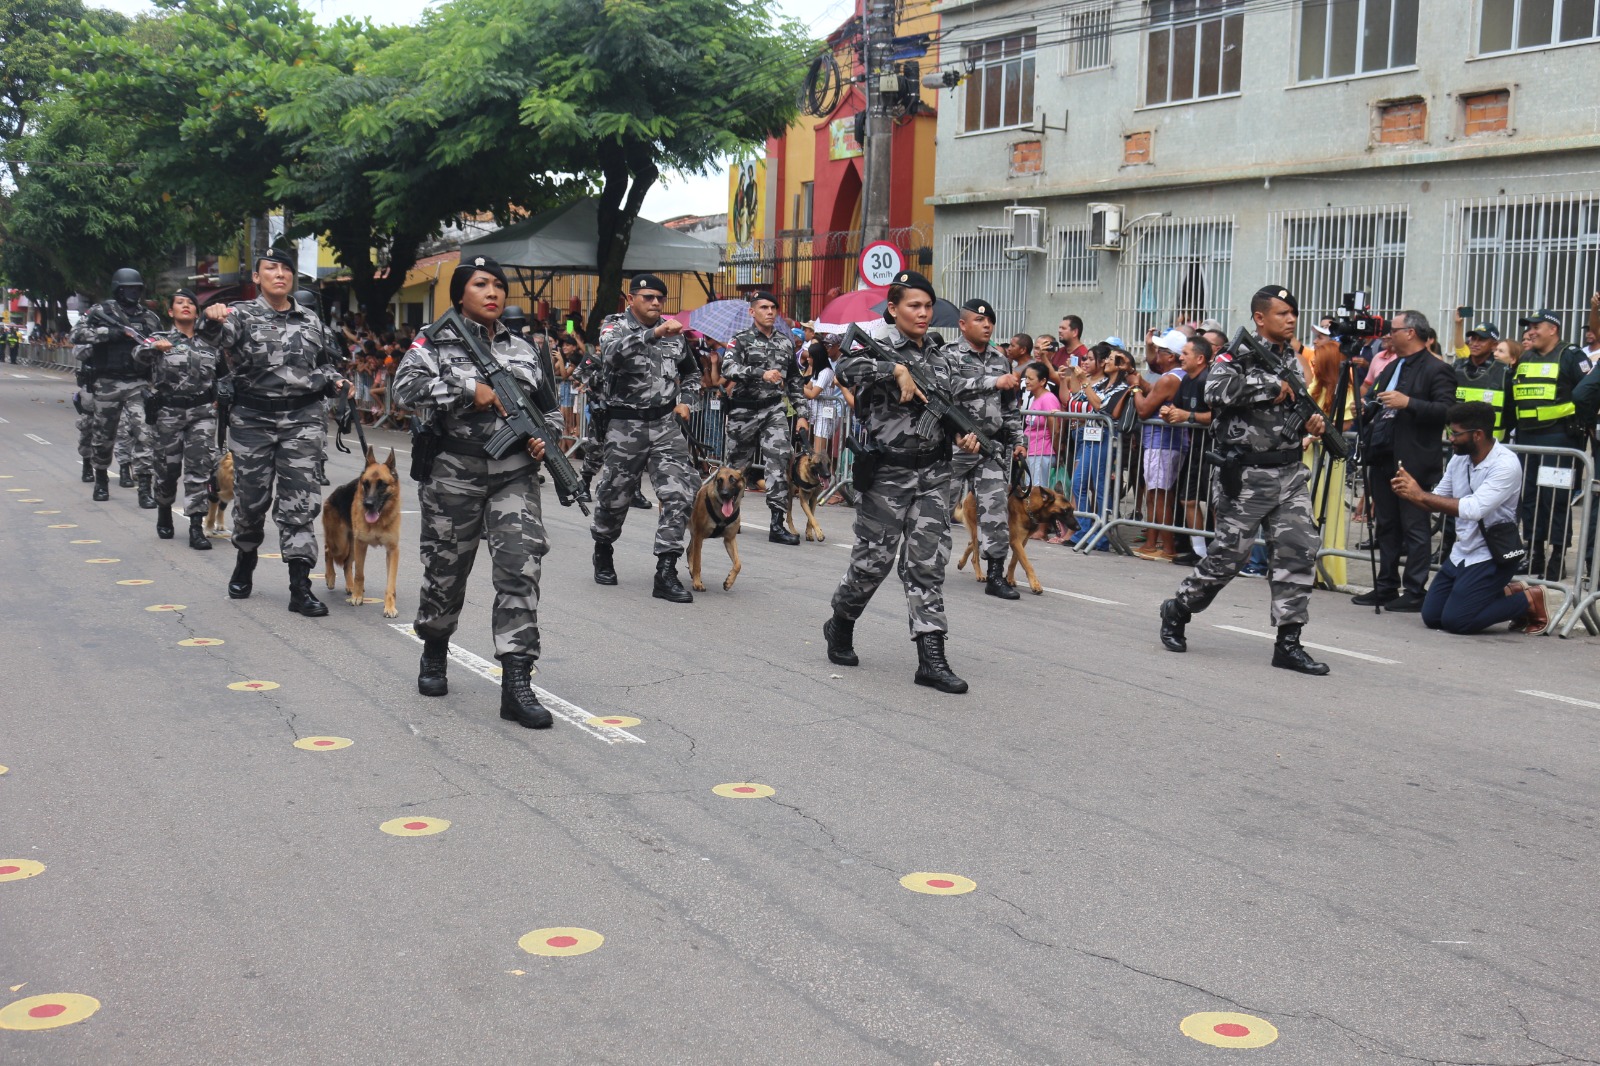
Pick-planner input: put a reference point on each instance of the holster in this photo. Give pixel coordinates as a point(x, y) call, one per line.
point(1230, 474)
point(225, 390)
point(426, 444)
point(84, 377)
point(863, 465)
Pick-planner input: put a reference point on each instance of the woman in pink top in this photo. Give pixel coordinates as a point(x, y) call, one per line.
point(1043, 433)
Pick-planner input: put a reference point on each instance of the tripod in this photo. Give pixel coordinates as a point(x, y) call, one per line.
point(1349, 348)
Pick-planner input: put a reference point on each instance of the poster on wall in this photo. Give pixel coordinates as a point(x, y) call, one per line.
point(842, 143)
point(747, 222)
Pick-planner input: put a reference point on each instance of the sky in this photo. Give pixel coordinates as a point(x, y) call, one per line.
point(674, 194)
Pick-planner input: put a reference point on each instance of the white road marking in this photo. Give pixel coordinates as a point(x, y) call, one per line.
point(1558, 698)
point(24, 377)
point(3, 422)
point(566, 711)
point(36, 438)
point(1363, 656)
point(1082, 596)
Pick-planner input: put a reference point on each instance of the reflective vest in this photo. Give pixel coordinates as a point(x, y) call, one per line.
point(1488, 387)
point(1542, 401)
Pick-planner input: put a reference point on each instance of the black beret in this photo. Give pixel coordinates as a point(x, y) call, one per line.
point(187, 294)
point(979, 307)
point(1277, 292)
point(763, 294)
point(910, 279)
point(468, 267)
point(642, 282)
point(281, 256)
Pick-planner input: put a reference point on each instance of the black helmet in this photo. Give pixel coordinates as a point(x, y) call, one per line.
point(127, 286)
point(515, 319)
point(307, 299)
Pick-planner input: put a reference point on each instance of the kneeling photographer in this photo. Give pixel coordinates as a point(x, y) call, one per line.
point(1482, 488)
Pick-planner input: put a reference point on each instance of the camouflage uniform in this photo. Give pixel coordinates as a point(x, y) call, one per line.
point(642, 379)
point(280, 374)
point(471, 497)
point(185, 428)
point(122, 451)
point(120, 384)
point(755, 409)
point(909, 499)
point(1249, 421)
point(586, 373)
point(1000, 415)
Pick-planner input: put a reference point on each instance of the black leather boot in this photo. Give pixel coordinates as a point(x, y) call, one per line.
point(1174, 616)
point(242, 583)
point(932, 670)
point(302, 600)
point(995, 584)
point(840, 633)
point(668, 587)
point(88, 471)
point(605, 567)
point(164, 521)
point(197, 534)
point(102, 486)
point(322, 472)
point(639, 500)
point(431, 679)
point(147, 497)
point(1289, 655)
point(518, 702)
point(779, 533)
point(125, 475)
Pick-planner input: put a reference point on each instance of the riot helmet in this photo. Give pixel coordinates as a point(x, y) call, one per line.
point(309, 300)
point(127, 286)
point(515, 319)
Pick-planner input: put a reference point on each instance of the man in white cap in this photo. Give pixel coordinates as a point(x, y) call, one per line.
point(1164, 446)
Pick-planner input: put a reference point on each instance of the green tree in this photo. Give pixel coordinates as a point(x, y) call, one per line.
point(31, 54)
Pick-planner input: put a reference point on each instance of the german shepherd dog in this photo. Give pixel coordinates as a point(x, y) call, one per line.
point(1026, 511)
point(808, 481)
point(716, 514)
point(364, 513)
point(220, 496)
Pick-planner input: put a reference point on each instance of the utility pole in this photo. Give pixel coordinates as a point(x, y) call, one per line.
point(875, 153)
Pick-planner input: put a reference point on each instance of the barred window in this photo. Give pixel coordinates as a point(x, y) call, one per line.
point(1074, 266)
point(1512, 25)
point(1321, 255)
point(1000, 83)
point(1089, 40)
point(1193, 49)
point(1506, 256)
point(1339, 38)
point(1175, 270)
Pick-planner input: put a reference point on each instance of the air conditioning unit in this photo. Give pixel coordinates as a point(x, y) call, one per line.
point(1026, 225)
point(1105, 227)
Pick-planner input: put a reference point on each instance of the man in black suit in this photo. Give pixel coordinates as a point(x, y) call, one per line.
point(1405, 410)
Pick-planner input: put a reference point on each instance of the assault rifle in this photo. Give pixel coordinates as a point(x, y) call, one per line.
point(940, 408)
point(117, 322)
point(1250, 350)
point(523, 421)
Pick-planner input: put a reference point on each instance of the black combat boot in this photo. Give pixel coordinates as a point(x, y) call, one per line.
point(164, 521)
point(125, 475)
point(840, 633)
point(147, 497)
point(430, 676)
point(779, 533)
point(932, 670)
point(518, 702)
point(242, 583)
point(88, 470)
point(668, 587)
point(301, 599)
point(102, 486)
point(197, 534)
point(321, 466)
point(1289, 655)
point(996, 584)
point(605, 567)
point(639, 501)
point(1174, 616)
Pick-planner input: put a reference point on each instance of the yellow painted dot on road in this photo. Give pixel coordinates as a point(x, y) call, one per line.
point(86, 542)
point(136, 581)
point(7, 477)
point(47, 1011)
point(615, 721)
point(323, 743)
point(1224, 1028)
point(167, 607)
point(64, 525)
point(19, 869)
point(19, 490)
point(560, 941)
point(5, 769)
point(938, 884)
point(31, 499)
point(47, 512)
point(738, 790)
point(102, 560)
point(270, 555)
point(201, 642)
point(414, 826)
point(253, 686)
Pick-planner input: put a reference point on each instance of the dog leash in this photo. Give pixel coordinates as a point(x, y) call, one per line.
point(343, 421)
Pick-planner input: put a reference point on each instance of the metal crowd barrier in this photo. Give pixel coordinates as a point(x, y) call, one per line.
point(50, 356)
point(1177, 458)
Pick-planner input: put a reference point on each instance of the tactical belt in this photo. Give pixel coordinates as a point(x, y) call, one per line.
point(619, 413)
point(275, 404)
point(912, 460)
point(1281, 457)
point(750, 405)
point(183, 399)
point(471, 449)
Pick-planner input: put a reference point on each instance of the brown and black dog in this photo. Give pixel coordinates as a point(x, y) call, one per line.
point(716, 514)
point(1025, 512)
point(364, 513)
point(220, 497)
point(808, 480)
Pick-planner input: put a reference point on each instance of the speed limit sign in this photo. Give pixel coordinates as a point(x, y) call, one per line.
point(880, 262)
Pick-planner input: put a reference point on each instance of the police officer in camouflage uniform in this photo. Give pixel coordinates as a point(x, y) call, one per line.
point(119, 384)
point(1261, 481)
point(83, 403)
point(988, 391)
point(647, 379)
point(471, 497)
point(909, 497)
point(336, 358)
point(183, 417)
point(280, 373)
point(760, 362)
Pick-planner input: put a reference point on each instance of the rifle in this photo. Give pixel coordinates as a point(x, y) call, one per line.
point(1248, 348)
point(940, 408)
point(117, 322)
point(523, 422)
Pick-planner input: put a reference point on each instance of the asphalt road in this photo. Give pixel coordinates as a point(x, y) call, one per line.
point(1393, 864)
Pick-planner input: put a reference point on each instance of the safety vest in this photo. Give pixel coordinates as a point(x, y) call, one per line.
point(1488, 387)
point(1542, 401)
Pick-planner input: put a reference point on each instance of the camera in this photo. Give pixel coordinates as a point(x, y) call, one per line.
point(1353, 318)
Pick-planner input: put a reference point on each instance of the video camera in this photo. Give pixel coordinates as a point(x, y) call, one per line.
point(1353, 319)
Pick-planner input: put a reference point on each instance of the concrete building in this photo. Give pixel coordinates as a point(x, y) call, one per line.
point(1434, 153)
